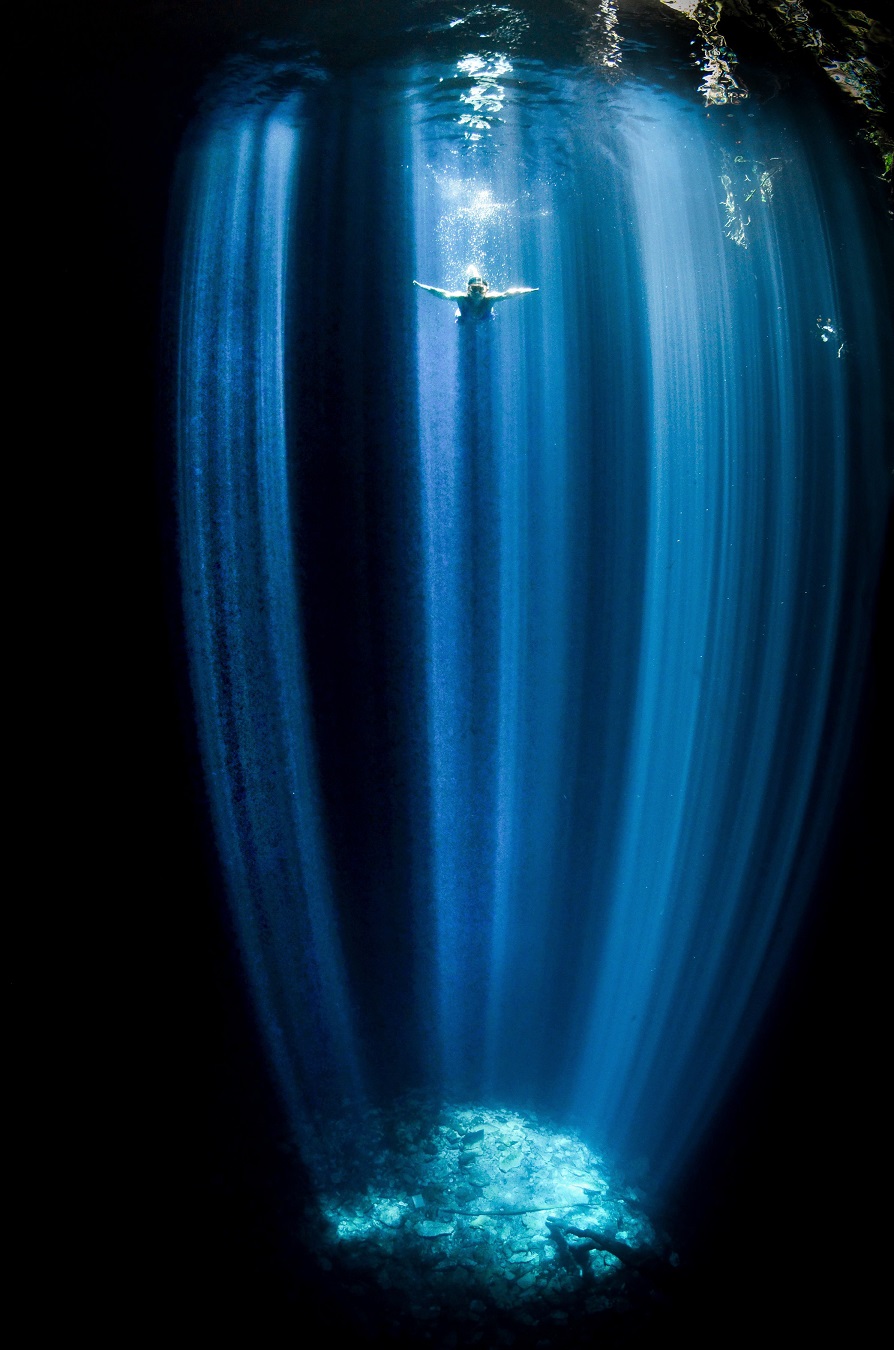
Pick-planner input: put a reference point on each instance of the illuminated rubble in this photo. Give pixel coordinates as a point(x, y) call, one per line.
point(478, 1218)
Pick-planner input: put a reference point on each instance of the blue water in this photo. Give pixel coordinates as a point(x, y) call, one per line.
point(525, 656)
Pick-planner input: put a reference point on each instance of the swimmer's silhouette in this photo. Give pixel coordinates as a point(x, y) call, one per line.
point(477, 301)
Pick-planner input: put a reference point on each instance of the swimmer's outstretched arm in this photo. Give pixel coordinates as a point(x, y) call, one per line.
point(513, 290)
point(442, 295)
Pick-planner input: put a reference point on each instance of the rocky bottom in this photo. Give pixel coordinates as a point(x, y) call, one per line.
point(454, 1225)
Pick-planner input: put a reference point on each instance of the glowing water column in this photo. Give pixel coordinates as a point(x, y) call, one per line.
point(736, 748)
point(640, 493)
point(243, 629)
point(628, 938)
point(491, 434)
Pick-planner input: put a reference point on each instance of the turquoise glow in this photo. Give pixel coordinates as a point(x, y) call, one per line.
point(633, 514)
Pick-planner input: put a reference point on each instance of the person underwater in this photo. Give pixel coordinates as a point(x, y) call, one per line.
point(477, 300)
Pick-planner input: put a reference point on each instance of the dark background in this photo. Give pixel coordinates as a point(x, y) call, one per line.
point(176, 1163)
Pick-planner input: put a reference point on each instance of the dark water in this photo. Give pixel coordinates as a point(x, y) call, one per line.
point(526, 664)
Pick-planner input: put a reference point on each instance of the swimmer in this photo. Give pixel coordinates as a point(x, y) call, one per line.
point(477, 300)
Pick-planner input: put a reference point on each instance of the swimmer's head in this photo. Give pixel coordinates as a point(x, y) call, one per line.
point(477, 286)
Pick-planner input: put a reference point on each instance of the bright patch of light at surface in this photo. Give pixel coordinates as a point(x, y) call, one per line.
point(488, 70)
point(486, 96)
point(602, 42)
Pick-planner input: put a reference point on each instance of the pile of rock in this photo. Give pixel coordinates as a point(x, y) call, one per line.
point(475, 1223)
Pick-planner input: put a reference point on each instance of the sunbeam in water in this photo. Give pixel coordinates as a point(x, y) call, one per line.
point(524, 653)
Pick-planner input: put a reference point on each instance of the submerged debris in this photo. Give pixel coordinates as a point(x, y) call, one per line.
point(745, 183)
point(852, 48)
point(495, 1218)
